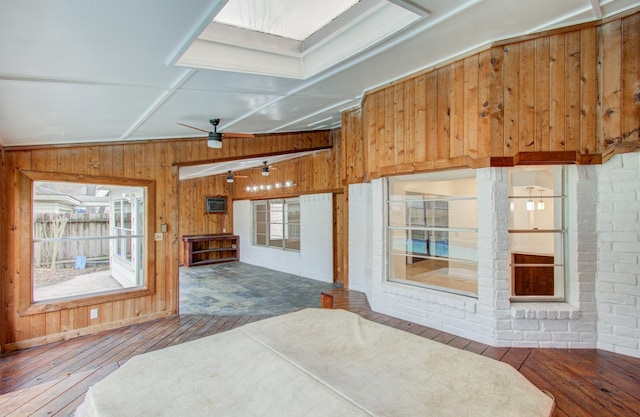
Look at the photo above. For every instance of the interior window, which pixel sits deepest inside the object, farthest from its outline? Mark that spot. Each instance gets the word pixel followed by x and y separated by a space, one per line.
pixel 433 231
pixel 537 233
pixel 276 223
pixel 87 239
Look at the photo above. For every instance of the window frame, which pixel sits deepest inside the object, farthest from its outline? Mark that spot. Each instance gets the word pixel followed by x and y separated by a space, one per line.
pixel 561 284
pixel 433 201
pixel 26 305
pixel 282 228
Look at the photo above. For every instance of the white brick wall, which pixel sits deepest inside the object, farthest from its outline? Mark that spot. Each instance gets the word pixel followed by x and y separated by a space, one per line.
pixel 491 318
pixel 316 247
pixel 360 231
pixel 618 231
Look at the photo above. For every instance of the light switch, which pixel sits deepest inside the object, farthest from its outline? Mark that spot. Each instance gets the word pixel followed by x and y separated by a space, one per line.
pixel 163 228
pixel 157 237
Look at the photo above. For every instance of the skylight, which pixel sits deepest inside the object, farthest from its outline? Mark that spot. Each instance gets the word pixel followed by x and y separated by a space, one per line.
pixel 296 38
pixel 293 19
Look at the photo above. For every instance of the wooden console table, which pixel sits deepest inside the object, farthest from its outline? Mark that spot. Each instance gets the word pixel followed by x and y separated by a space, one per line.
pixel 210 249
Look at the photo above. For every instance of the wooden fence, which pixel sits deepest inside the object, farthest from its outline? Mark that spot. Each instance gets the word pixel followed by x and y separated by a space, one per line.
pixel 68 227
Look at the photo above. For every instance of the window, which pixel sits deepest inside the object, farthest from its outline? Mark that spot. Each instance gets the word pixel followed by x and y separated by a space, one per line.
pixel 276 223
pixel 433 231
pixel 88 238
pixel 537 233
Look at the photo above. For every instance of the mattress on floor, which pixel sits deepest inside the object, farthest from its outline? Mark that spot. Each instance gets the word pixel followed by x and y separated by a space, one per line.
pixel 314 363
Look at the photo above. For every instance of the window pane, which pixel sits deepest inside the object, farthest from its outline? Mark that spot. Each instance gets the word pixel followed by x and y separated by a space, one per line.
pixel 261 239
pixel 84 239
pixel 536 239
pixel 433 231
pixel 276 223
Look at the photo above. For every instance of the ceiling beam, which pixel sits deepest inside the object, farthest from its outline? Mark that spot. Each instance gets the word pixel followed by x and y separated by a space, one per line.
pixel 597 10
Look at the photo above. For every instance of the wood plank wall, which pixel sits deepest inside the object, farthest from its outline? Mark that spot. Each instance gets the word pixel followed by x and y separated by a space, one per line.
pixel 319 172
pixel 152 160
pixel 193 218
pixel 563 95
pixel 571 91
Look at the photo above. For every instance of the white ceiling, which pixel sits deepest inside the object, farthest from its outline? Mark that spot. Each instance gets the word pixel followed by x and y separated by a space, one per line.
pixel 79 71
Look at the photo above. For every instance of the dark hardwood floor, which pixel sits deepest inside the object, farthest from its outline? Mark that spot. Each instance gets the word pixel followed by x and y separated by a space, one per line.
pixel 51 380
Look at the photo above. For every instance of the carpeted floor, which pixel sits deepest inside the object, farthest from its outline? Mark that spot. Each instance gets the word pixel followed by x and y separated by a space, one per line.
pixel 237 288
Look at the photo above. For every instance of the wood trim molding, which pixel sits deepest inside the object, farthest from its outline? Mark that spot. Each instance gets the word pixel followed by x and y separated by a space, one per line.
pixel 25 304
pixel 43 340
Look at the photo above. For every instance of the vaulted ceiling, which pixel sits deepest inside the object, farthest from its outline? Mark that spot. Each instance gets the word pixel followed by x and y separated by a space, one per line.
pixel 79 71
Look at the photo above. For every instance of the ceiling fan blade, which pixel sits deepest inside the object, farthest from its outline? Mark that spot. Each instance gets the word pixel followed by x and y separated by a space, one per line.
pixel 240 176
pixel 193 127
pixel 239 135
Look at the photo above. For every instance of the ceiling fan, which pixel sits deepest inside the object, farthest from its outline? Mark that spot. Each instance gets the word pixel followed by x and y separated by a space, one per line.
pixel 266 169
pixel 231 176
pixel 214 138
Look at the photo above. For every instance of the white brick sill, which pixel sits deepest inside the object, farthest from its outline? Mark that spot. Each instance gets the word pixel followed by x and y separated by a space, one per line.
pixel 443 298
pixel 548 311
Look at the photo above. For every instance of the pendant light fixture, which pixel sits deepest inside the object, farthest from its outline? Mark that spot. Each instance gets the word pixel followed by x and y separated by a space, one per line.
pixel 530 203
pixel 229 177
pixel 540 205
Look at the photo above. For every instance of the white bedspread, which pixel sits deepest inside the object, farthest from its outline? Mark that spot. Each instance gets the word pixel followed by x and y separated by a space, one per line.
pixel 314 363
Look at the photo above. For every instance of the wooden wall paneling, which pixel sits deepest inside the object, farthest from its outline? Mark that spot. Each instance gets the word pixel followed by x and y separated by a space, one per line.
pixel 81 318
pixel 588 92
pixel 52 322
pixel 456 110
pixel 444 109
pixel 471 105
pixel 4 238
pixel 93 160
pixel 409 121
pixel 118 310
pixel 388 158
pixel 511 80
pixel 630 86
pixel 22 242
pixel 67 320
pixel 610 84
pixel 118 158
pixel 105 313
pixel 379 116
pixel 431 116
pixel 371 133
pixel 398 123
pixel 80 155
pixel 106 160
pixel 353 148
pixel 573 80
pixel 171 182
pixel 162 247
pixel 527 97
pixel 484 104
pixel 497 137
pixel 129 162
pixel 556 93
pixel 39 159
pixel 335 157
pixel 418 139
pixel 541 134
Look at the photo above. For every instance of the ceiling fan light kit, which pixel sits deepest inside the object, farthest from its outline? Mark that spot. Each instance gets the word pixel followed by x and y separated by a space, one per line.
pixel 265 169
